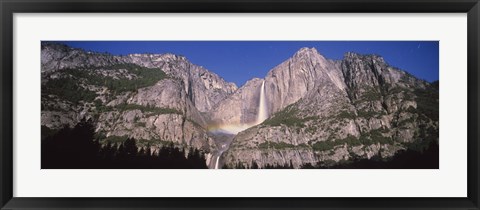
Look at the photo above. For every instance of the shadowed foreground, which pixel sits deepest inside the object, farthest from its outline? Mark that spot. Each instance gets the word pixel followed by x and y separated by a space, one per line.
pixel 77 148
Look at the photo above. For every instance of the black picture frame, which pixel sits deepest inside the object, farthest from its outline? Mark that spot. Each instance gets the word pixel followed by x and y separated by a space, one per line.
pixel 9 7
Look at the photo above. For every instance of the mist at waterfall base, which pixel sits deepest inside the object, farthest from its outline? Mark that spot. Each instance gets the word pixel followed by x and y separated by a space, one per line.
pixel 262 115
pixel 233 129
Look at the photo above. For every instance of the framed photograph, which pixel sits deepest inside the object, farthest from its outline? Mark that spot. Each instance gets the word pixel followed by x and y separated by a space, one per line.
pixel 239 105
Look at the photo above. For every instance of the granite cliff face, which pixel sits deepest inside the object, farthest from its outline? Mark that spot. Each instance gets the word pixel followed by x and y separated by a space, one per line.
pixel 240 107
pixel 285 84
pixel 319 111
pixel 153 98
pixel 325 112
pixel 204 88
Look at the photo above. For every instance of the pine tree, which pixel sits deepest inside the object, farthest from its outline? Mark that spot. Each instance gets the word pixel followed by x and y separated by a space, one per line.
pixel 130 146
pixel 254 165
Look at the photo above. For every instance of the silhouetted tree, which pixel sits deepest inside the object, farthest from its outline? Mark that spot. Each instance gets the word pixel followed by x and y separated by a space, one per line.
pixel 130 148
pixel 254 165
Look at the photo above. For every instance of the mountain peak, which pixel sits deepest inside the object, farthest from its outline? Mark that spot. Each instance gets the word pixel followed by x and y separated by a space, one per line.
pixel 306 51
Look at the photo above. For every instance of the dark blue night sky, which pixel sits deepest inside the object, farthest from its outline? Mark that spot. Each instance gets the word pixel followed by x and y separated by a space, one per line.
pixel 239 61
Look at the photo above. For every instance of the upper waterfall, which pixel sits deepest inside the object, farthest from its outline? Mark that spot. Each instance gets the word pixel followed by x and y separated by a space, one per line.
pixel 262 114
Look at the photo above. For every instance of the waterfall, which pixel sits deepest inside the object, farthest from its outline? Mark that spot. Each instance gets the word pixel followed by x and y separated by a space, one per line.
pixel 216 164
pixel 262 106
